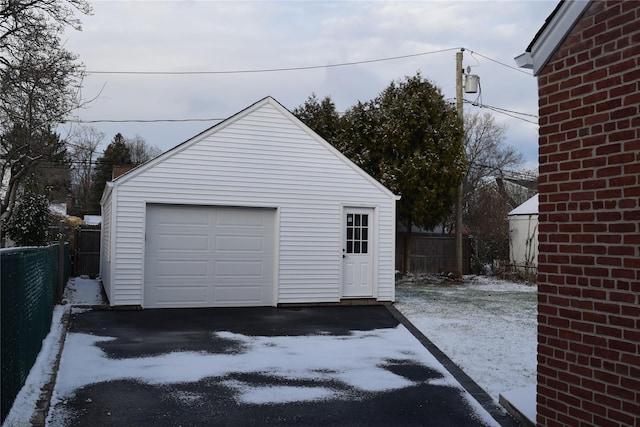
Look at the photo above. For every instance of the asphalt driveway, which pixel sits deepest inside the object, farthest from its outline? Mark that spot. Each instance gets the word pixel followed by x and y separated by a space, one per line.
pixel 311 366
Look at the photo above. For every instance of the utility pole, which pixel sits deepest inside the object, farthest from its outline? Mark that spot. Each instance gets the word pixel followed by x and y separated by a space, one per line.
pixel 459 255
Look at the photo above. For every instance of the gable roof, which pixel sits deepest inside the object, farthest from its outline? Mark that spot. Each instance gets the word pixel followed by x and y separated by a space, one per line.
pixel 233 119
pixel 529 207
pixel 555 29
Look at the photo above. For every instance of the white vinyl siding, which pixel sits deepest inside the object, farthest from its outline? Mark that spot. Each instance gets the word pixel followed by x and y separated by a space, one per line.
pixel 105 245
pixel 264 158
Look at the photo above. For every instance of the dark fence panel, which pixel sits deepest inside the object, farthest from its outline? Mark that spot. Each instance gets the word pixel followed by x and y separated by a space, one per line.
pixel 432 253
pixel 29 280
pixel 87 251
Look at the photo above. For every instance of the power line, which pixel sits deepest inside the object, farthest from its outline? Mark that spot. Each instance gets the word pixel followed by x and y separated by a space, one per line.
pixel 510 113
pixel 310 67
pixel 501 63
pixel 475 104
pixel 272 70
pixel 143 120
pixel 281 69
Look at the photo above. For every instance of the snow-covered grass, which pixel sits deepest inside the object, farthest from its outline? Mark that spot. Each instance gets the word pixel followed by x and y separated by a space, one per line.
pixel 487 326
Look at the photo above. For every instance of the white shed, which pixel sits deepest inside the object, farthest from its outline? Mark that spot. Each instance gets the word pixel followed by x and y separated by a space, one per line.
pixel 255 211
pixel 523 235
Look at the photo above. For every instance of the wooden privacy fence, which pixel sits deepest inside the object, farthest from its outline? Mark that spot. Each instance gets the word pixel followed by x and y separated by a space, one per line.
pixel 86 256
pixel 432 253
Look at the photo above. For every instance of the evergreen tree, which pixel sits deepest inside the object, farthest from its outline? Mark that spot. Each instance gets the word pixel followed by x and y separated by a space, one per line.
pixel 321 117
pixel 31 162
pixel 116 153
pixel 29 225
pixel 408 138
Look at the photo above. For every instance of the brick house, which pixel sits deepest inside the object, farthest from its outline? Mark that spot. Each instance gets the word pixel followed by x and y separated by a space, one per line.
pixel 587 62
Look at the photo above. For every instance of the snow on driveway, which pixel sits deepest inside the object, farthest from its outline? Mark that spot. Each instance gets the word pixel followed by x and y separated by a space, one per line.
pixel 364 356
pixel 486 326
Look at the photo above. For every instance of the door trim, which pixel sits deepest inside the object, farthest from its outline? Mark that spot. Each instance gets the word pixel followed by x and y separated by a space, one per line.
pixel 373 249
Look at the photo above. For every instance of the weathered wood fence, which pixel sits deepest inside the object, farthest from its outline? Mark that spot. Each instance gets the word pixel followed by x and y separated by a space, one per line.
pixel 86 254
pixel 432 253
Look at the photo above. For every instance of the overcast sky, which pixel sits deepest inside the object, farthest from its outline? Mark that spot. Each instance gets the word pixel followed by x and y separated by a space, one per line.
pixel 235 37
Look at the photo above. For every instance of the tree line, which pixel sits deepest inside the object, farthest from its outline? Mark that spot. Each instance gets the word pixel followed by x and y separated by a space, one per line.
pixel 408 137
pixel 40 83
pixel 412 140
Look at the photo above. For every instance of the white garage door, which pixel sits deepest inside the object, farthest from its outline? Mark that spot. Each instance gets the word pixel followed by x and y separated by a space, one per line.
pixel 208 256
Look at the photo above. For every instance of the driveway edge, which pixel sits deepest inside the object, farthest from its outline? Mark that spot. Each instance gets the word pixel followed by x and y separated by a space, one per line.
pixel 465 380
pixel 39 417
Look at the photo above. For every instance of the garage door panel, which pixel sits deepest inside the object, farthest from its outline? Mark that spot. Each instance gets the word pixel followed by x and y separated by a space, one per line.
pixel 169 295
pixel 224 260
pixel 177 242
pixel 234 295
pixel 239 269
pixel 178 217
pixel 230 218
pixel 182 268
pixel 242 244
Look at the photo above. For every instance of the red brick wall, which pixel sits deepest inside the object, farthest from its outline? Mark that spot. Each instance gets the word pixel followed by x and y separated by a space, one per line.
pixel 589 232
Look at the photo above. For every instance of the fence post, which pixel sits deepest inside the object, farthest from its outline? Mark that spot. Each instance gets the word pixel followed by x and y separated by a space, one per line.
pixel 61 263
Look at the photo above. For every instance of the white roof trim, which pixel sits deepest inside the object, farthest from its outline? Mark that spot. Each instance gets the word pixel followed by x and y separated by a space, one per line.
pixel 530 207
pixel 555 31
pixel 524 60
pixel 108 188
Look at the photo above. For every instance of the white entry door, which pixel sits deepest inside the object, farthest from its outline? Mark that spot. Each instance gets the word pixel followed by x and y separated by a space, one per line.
pixel 357 281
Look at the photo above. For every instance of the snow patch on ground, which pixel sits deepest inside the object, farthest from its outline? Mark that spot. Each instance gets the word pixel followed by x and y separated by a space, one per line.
pixel 78 291
pixel 83 291
pixel 487 326
pixel 520 398
pixel 248 393
pixel 25 403
pixel 361 366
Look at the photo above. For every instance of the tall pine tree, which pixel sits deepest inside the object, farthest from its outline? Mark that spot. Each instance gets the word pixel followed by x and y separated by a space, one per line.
pixel 408 138
pixel 117 153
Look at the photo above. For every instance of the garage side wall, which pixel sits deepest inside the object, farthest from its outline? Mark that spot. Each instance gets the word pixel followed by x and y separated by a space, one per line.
pixel 523 242
pixel 105 244
pixel 263 158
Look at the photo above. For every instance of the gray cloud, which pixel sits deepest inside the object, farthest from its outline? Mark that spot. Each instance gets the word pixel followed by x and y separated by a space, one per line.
pixel 216 36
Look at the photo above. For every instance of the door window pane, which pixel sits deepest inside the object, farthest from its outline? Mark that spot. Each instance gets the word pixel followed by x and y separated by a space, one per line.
pixel 357 233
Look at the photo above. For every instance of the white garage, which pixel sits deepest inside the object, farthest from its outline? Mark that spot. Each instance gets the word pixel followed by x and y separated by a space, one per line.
pixel 202 256
pixel 523 236
pixel 255 211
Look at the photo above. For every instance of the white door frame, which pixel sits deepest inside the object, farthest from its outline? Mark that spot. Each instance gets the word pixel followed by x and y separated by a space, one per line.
pixel 350 288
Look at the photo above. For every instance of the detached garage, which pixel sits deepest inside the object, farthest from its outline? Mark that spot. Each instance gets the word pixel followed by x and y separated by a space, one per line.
pixel 255 211
pixel 523 236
